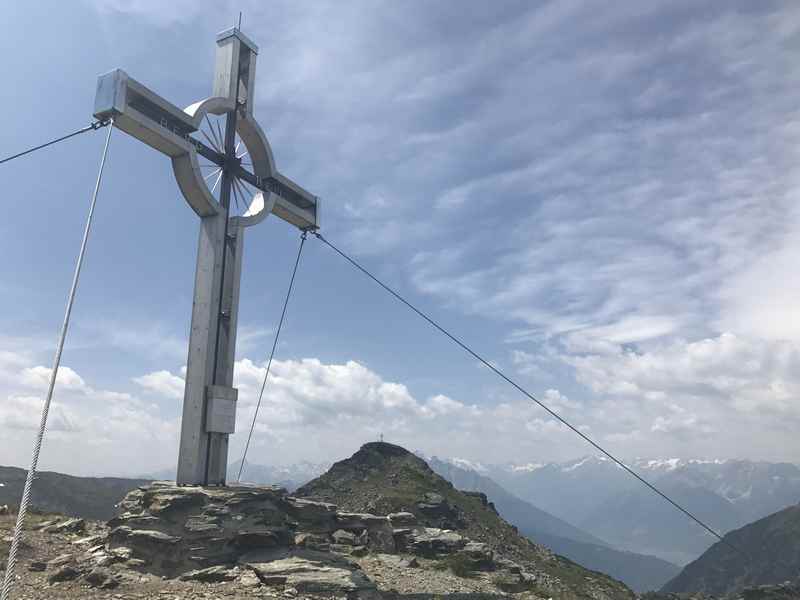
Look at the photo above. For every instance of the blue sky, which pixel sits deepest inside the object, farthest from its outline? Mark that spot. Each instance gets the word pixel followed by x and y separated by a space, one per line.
pixel 600 198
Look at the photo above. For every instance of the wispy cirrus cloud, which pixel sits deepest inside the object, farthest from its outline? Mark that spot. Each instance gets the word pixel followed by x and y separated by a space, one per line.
pixel 611 191
pixel 606 174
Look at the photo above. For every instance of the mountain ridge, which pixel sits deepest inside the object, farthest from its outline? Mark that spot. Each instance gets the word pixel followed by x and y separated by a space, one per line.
pixel 764 552
pixel 85 497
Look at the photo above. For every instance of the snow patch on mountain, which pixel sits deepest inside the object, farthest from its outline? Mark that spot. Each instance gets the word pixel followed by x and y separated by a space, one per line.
pixel 666 464
pixel 469 465
pixel 672 464
pixel 461 463
pixel 577 465
pixel 529 468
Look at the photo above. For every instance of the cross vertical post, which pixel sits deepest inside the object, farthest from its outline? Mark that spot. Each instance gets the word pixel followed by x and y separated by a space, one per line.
pixel 217 462
pixel 206 392
pixel 209 403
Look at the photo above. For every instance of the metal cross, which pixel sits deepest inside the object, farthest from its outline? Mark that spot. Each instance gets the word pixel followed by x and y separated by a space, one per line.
pixel 188 136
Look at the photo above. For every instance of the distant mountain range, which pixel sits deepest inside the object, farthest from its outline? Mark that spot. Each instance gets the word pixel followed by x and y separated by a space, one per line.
pixel 599 497
pixel 639 572
pixel 516 511
pixel 289 476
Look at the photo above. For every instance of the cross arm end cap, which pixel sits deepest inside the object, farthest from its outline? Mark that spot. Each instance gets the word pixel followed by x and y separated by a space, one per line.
pixel 234 32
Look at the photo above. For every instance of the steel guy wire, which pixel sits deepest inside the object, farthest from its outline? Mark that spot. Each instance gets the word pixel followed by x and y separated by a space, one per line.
pixel 272 353
pixel 8 582
pixel 93 127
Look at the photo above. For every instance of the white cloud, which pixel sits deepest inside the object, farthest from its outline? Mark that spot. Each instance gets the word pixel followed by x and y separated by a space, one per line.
pixel 162 382
pixel 559 402
pixel 440 405
pixel 89 430
pixel 24 412
pixel 39 378
pixel 340 406
pixel 726 395
pixel 721 396
pixel 310 393
pixel 675 394
pixel 738 373
pixel 685 425
pixel 761 300
pixel 10 360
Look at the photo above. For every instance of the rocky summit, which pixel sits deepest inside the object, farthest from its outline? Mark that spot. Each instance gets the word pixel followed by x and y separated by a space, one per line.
pixel 432 519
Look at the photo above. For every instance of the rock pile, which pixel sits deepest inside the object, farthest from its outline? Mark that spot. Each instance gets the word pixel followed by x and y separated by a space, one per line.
pixel 86 559
pixel 261 536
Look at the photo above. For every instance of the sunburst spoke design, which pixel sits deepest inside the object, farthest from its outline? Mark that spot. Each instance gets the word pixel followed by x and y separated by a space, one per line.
pixel 249 187
pixel 237 196
pixel 218 145
pixel 242 192
pixel 246 194
pixel 221 137
pixel 207 177
pixel 216 183
pixel 211 142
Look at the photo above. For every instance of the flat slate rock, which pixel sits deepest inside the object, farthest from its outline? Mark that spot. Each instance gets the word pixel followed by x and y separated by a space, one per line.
pixel 432 541
pixel 216 574
pixel 310 576
pixel 64 573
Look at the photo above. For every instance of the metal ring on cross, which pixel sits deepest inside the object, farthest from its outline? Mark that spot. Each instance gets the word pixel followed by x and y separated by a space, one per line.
pixel 199 179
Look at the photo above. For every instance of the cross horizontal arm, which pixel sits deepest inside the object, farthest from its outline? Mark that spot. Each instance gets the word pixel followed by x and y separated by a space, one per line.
pixel 145 115
pixel 142 113
pixel 294 204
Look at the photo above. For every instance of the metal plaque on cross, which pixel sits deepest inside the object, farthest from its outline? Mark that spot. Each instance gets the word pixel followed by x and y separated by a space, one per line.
pixel 226 172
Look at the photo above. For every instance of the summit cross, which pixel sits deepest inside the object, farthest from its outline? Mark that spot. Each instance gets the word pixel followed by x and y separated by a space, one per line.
pixel 240 188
